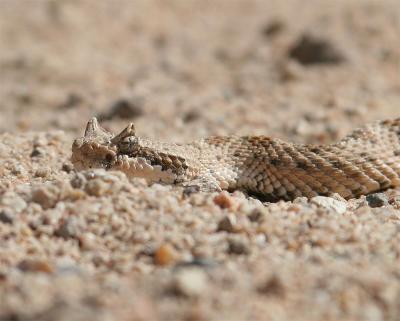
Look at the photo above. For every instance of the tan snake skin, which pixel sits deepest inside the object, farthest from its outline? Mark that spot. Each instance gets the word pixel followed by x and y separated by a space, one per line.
pixel 366 161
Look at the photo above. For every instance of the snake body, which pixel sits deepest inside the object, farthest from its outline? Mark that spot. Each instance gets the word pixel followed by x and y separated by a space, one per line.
pixel 365 161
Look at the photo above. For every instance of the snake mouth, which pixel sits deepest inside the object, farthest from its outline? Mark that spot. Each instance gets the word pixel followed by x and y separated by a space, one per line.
pixel 143 168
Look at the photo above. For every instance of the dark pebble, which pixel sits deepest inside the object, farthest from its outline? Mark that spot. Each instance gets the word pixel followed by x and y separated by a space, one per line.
pixel 238 247
pixel 72 100
pixel 273 28
pixel 255 215
pixel 272 287
pixel 197 262
pixel 310 50
pixel 123 109
pixel 226 224
pixel 67 229
pixel 191 116
pixel 67 167
pixel 377 200
pixel 189 190
pixel 6 216
pixel 36 152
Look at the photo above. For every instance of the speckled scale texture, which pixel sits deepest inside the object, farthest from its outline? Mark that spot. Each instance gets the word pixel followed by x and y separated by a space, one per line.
pixel 365 161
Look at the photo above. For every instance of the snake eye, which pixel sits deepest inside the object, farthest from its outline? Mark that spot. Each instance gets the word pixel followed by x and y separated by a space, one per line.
pixel 127 144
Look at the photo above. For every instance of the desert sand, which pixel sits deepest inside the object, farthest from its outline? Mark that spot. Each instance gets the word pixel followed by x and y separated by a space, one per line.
pixel 96 245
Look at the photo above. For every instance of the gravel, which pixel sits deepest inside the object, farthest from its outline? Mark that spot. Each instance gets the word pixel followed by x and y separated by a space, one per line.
pixel 96 245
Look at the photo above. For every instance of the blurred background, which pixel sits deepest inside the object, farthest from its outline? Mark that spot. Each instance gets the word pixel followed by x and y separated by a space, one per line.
pixel 307 71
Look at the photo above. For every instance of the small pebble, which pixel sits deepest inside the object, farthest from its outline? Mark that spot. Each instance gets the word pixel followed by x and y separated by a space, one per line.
pixel 237 246
pixel 87 241
pixel 42 172
pixel 311 49
pixel 338 207
pixel 67 167
pixel 198 262
pixel 78 180
pixel 123 109
pixel 13 201
pixel 165 255
pixel 255 215
pixel 67 229
pixel 191 116
pixel 36 152
pixel 72 100
pixel 227 224
pixel 6 216
pixel 97 187
pixel 272 287
pixel 300 200
pixel 273 28
pixel 189 190
pixel 18 169
pixel 224 200
pixel 46 195
pixel 377 200
pixel 32 265
pixel 190 282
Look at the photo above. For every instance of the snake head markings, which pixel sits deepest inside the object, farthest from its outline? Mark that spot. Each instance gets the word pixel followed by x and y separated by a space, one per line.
pixel 137 157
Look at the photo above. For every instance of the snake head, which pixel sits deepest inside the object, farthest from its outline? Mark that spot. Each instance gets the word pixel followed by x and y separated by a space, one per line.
pixel 99 148
pixel 137 157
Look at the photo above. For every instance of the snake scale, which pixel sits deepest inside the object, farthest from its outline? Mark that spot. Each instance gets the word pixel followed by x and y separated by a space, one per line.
pixel 365 161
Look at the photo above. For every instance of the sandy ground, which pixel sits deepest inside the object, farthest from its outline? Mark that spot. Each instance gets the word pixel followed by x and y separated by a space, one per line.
pixel 100 246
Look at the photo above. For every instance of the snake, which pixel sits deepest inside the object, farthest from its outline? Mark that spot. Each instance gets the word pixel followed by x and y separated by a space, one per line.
pixel 365 161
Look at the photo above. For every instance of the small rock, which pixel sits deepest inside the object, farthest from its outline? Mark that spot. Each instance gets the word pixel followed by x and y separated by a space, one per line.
pixel 227 224
pixel 337 197
pixel 238 246
pixel 300 200
pixel 273 28
pixel 191 116
pixel 200 262
pixel 255 215
pixel 42 172
pixel 338 207
pixel 18 169
pixel 72 100
pixel 272 287
pixel 290 70
pixel 97 187
pixel 165 255
pixel 12 200
pixel 6 216
pixel 68 270
pixel 224 200
pixel 32 265
pixel 377 200
pixel 36 152
pixel 190 282
pixel 67 229
pixel 189 190
pixel 67 167
pixel 87 241
pixel 123 109
pixel 46 195
pixel 78 180
pixel 310 49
